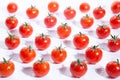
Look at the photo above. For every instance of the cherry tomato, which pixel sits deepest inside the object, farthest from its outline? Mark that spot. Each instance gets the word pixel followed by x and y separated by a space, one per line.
pixel 69 13
pixel 41 68
pixel 53 6
pixel 27 54
pixel 99 12
pixel 12 41
pixel 42 41
pixel 114 43
pixel 86 21
pixel 84 7
pixel 80 41
pixel 103 31
pixel 11 22
pixel 25 30
pixel 115 7
pixel 78 68
pixel 50 21
pixel 113 69
pixel 7 68
pixel 93 54
pixel 32 12
pixel 115 22
pixel 58 54
pixel 63 31
pixel 12 7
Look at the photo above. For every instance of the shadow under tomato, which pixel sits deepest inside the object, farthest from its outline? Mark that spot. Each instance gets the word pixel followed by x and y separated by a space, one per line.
pixel 80 56
pixel 68 43
pixel 28 71
pixel 2 45
pixel 15 57
pixel 104 46
pixel 46 57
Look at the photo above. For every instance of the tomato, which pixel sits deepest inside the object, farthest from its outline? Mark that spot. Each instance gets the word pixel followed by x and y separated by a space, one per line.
pixel 114 43
pixel 99 12
pixel 12 7
pixel 41 68
pixel 115 7
pixel 12 41
pixel 32 12
pixel 27 54
pixel 11 22
pixel 86 21
pixel 93 54
pixel 53 6
pixel 42 41
pixel 103 31
pixel 115 22
pixel 25 30
pixel 63 31
pixel 78 68
pixel 113 69
pixel 7 68
pixel 69 13
pixel 50 21
pixel 84 7
pixel 58 54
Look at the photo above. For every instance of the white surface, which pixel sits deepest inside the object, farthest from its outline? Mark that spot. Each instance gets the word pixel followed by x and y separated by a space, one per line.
pixel 57 71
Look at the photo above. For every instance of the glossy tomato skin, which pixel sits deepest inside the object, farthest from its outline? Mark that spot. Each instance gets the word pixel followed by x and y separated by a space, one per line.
pixel 27 54
pixel 69 13
pixel 63 31
pixel 93 55
pixel 80 41
pixel 84 7
pixel 42 42
pixel 11 22
pixel 12 41
pixel 41 68
pixel 114 43
pixel 32 12
pixel 53 6
pixel 78 69
pixel 99 12
pixel 6 68
pixel 113 69
pixel 25 30
pixel 50 21
pixel 103 31
pixel 12 7
pixel 115 22
pixel 115 7
pixel 86 21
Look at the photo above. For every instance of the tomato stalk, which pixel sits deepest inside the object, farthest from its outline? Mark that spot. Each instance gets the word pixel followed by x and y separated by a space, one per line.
pixel 11 36
pixel 60 48
pixel 65 25
pixel 26 24
pixel 78 62
pixel 87 16
pixel 69 7
pixel 94 47
pixel 32 6
pixel 41 61
pixel 49 15
pixel 30 48
pixel 80 33
pixel 118 15
pixel 118 62
pixel 114 37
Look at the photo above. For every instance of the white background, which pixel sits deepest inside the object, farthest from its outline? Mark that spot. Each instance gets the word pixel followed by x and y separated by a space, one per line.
pixel 57 71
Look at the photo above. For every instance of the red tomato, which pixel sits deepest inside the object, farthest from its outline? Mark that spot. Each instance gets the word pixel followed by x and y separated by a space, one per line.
pixel 7 68
pixel 12 7
pixel 11 22
pixel 99 12
pixel 69 13
pixel 115 7
pixel 86 21
pixel 27 54
pixel 84 7
pixel 78 68
pixel 115 22
pixel 103 31
pixel 41 68
pixel 50 21
pixel 113 69
pixel 58 55
pixel 42 42
pixel 32 12
pixel 53 6
pixel 80 41
pixel 114 43
pixel 25 30
pixel 63 31
pixel 93 54
pixel 12 41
